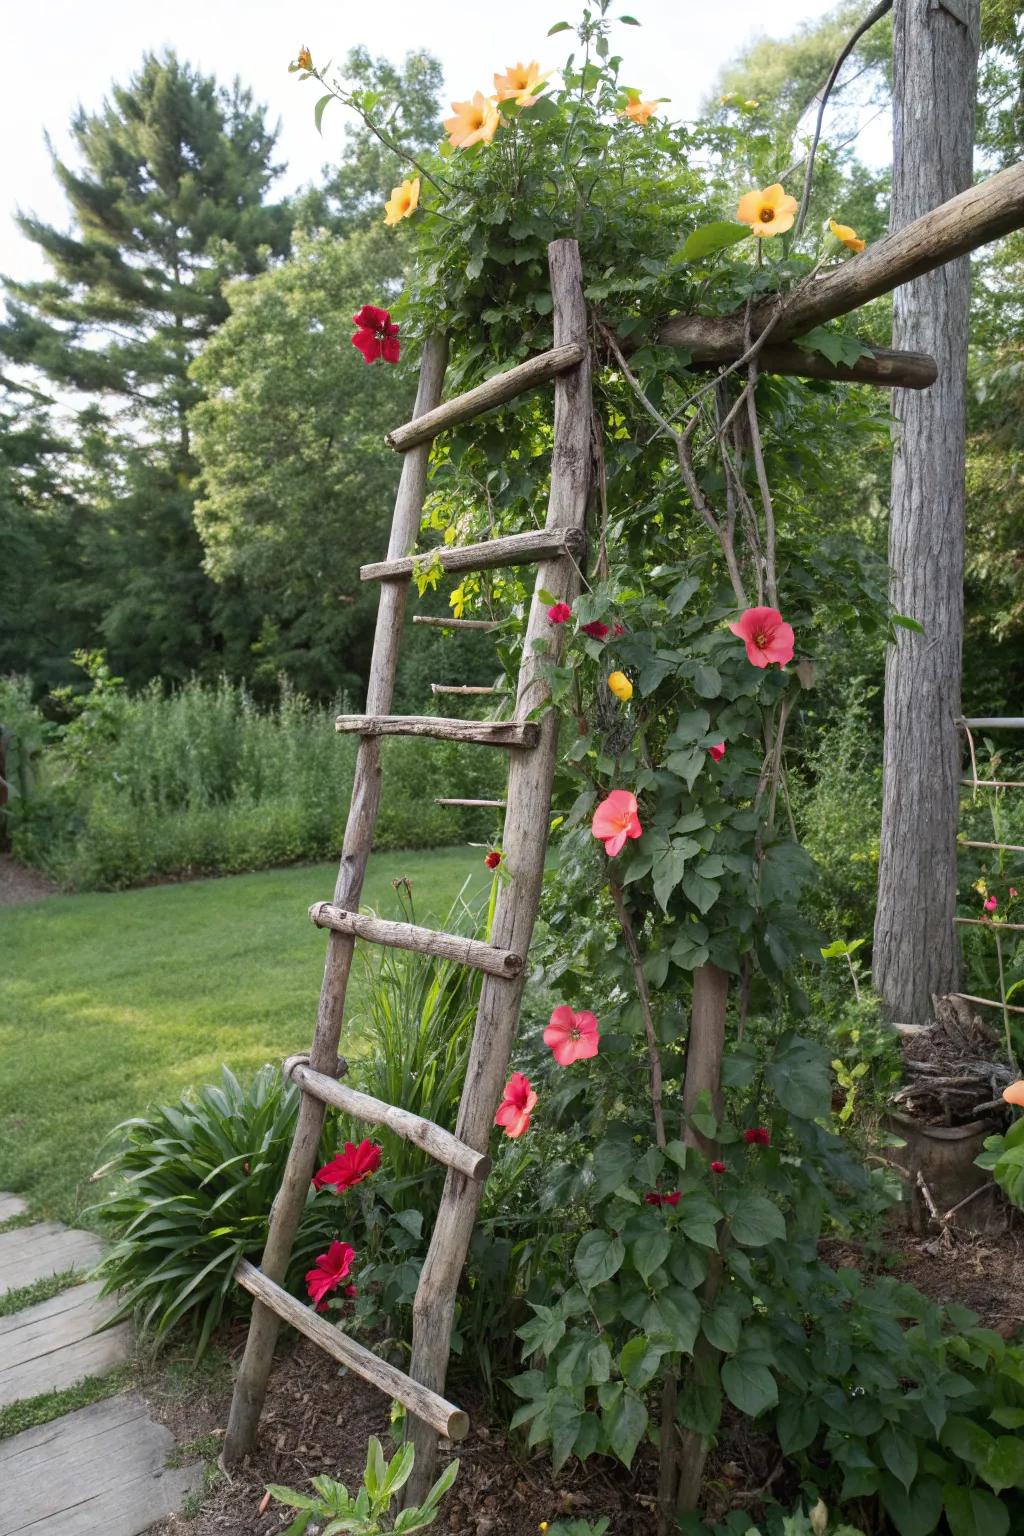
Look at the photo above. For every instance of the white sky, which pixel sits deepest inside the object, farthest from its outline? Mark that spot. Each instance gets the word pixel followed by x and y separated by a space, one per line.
pixel 59 53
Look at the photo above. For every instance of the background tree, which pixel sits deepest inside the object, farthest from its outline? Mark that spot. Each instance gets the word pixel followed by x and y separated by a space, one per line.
pixel 166 204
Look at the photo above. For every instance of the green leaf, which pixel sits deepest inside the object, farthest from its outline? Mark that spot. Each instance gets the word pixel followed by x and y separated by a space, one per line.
pixel 625 1426
pixel 319 109
pixel 916 1513
pixel 649 1253
pixel 800 1078
pixel 639 1361
pixel 629 21
pixel 1009 1418
pixel 669 867
pixel 749 1387
pixel 899 1452
pixel 966 1439
pixel 564 1416
pixel 703 893
pixel 974 1512
pixel 690 727
pixel 722 1328
pixel 707 682
pixel 1004 1465
pixel 560 26
pixel 676 1314
pixel 713 237
pixel 681 592
pixel 906 622
pixel 755 1221
pixel 598 1257
pixel 796 1425
pixel 835 345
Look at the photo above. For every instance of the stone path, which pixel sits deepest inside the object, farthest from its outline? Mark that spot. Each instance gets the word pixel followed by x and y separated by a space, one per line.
pixel 98 1471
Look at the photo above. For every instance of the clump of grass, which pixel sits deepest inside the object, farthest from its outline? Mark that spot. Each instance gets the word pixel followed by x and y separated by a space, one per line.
pixel 29 1412
pixel 40 1290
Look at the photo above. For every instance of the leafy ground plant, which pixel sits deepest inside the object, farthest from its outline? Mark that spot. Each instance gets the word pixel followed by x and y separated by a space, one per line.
pixel 367 1513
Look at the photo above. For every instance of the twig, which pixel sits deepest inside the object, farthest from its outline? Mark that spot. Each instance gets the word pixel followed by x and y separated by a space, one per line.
pixel 881 9
pixel 762 475
pixel 930 1203
pixel 653 1053
pixel 981 1190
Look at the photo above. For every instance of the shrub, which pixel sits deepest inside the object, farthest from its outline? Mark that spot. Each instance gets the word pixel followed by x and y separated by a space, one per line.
pixel 367 1512
pixel 197 1182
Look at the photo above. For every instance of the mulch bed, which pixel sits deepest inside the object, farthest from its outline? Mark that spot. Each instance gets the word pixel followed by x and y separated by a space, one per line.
pixel 18 883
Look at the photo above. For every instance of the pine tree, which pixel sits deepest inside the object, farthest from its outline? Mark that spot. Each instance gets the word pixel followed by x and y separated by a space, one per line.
pixel 166 204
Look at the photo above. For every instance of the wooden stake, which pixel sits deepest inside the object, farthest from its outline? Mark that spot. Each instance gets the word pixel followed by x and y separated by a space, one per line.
pixel 251 1384
pixel 524 842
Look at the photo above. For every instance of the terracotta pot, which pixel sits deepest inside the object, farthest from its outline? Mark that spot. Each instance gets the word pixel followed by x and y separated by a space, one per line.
pixel 944 1156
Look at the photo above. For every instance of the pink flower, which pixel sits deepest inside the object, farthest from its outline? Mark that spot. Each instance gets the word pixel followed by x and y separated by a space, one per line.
pixel 717 1167
pixel 654 1198
pixel 617 630
pixel 571 1036
pixel 331 1269
pixel 516 1107
pixel 595 630
pixel 350 1167
pixel 351 1291
pixel 616 819
pixel 376 337
pixel 492 859
pixel 990 903
pixel 717 751
pixel 767 636
pixel 559 613
pixel 1013 890
pixel 757 1137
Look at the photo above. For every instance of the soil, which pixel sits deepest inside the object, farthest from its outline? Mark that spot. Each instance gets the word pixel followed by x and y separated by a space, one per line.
pixel 982 1272
pixel 18 883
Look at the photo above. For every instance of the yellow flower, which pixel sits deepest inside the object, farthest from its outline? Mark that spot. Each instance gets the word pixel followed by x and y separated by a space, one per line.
pixel 768 212
pixel 751 103
pixel 847 235
pixel 543 1526
pixel 305 58
pixel 636 110
pixel 403 201
pixel 621 686
pixel 520 83
pixel 474 121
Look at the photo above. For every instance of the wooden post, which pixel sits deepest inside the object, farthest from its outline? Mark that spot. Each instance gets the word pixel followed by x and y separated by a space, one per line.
pixel 915 949
pixel 251 1385
pixel 524 842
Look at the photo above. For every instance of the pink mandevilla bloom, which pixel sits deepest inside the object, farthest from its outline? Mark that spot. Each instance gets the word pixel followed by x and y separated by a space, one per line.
pixel 757 1136
pixel 517 1105
pixel 571 1036
pixel 616 819
pixel 595 630
pixel 990 903
pixel 717 751
pixel 559 613
pixel 767 636
pixel 331 1269
pixel 350 1167
pixel 377 336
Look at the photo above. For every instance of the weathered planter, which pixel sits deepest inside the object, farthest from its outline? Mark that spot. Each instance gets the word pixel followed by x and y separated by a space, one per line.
pixel 944 1156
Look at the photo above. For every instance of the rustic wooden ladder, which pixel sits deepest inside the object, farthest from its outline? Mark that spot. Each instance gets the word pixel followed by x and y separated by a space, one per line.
pixel 531 739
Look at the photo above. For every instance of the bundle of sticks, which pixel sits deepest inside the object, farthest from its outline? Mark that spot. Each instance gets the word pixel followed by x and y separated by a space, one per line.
pixel 952 1067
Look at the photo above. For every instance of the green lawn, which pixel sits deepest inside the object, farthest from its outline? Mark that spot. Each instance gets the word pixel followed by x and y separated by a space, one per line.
pixel 108 1002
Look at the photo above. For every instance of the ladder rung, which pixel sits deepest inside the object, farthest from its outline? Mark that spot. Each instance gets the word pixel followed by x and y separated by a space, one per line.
pixel 441 1145
pixel 492 392
pixel 464 688
pixel 516 549
pixel 487 733
pixel 438 622
pixel 441 1415
pixel 426 941
pixel 497 805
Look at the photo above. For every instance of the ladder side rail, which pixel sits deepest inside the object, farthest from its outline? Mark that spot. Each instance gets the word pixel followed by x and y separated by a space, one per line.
pixel 524 844
pixel 286 1212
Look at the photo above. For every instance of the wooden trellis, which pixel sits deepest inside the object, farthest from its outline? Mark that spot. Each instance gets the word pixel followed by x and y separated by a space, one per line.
pixel 771 332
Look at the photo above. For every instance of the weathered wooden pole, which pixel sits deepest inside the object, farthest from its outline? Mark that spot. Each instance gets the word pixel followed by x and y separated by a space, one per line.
pixel 935 52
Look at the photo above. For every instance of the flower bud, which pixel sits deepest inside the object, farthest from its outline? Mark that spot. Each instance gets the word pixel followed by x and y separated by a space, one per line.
pixel 819 1518
pixel 621 686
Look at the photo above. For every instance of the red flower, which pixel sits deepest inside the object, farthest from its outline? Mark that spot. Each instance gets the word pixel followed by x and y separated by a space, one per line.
pixel 616 819
pixel 596 630
pixel 618 629
pixel 376 337
pixel 1013 890
pixel 559 613
pixel 717 1167
pixel 492 859
pixel 654 1198
pixel 571 1036
pixel 767 636
pixel 990 903
pixel 349 1167
pixel 351 1291
pixel 516 1107
pixel 717 751
pixel 331 1269
pixel 757 1137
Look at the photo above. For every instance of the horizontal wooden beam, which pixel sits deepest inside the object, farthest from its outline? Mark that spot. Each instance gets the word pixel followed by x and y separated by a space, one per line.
pixel 964 842
pixel 996 722
pixel 486 733
pixel 497 805
pixel 489 554
pixel 437 622
pixel 441 1415
pixel 883 367
pixel 465 689
pixel 439 1144
pixel 484 397
pixel 425 941
pixel 974 218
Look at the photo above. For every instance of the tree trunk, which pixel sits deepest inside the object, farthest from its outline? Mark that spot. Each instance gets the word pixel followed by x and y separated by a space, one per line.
pixel 935 57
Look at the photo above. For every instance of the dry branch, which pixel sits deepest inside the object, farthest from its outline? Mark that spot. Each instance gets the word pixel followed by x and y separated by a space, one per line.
pixel 424 941
pixel 442 623
pixel 489 554
pixel 487 733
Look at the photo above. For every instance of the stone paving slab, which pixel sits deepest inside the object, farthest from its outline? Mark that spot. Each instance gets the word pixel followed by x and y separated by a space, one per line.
pixel 11 1205
pixel 33 1253
pixel 97 1472
pixel 55 1344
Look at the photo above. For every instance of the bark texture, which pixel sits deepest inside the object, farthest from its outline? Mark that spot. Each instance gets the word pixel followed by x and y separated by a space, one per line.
pixel 916 954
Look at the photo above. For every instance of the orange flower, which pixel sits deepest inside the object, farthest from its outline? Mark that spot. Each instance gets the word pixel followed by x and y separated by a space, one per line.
pixel 520 83
pixel 305 58
pixel 636 110
pixel 768 212
pixel 1015 1094
pixel 474 121
pixel 403 201
pixel 847 235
